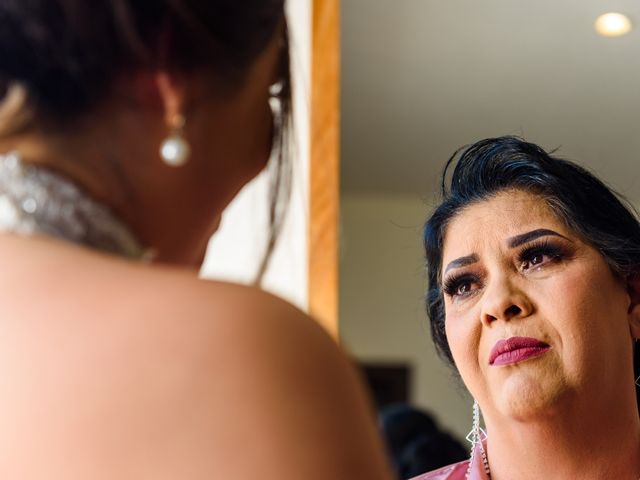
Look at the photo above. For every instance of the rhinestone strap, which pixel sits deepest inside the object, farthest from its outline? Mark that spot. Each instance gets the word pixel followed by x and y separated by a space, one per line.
pixel 35 200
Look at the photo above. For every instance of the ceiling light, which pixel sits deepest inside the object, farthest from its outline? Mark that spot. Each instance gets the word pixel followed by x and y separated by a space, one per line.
pixel 613 24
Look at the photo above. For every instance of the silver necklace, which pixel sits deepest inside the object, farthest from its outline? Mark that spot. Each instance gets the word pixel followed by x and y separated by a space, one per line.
pixel 35 200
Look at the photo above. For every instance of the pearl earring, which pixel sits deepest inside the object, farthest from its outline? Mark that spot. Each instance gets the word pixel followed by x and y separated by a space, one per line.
pixel 175 150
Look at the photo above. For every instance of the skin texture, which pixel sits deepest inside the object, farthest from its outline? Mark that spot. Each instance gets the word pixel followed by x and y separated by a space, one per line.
pixel 547 415
pixel 122 370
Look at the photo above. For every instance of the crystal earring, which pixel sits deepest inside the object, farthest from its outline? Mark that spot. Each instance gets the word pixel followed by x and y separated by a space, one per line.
pixel 476 438
pixel 175 150
pixel 275 104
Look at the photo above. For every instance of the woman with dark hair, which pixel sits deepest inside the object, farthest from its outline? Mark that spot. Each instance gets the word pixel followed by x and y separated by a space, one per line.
pixel 534 297
pixel 126 127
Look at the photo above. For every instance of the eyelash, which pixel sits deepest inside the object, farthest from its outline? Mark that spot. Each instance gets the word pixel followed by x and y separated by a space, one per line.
pixel 546 248
pixel 526 255
pixel 454 282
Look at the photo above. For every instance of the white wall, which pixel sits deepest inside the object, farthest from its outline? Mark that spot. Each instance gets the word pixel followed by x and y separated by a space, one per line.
pixel 236 250
pixel 382 284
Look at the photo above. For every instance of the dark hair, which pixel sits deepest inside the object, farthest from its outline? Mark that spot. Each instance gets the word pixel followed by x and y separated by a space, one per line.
pixel 415 442
pixel 584 203
pixel 67 54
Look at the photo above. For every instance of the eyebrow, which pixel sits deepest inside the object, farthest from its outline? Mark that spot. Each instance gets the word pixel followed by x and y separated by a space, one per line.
pixel 512 242
pixel 523 238
pixel 462 262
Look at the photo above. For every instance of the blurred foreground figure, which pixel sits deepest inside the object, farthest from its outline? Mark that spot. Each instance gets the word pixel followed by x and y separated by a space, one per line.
pixel 415 441
pixel 126 127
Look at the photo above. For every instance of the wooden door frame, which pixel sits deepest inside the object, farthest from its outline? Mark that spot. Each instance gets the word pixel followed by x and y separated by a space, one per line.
pixel 325 164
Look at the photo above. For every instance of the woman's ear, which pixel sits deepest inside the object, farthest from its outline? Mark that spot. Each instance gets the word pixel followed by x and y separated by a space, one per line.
pixel 633 290
pixel 172 93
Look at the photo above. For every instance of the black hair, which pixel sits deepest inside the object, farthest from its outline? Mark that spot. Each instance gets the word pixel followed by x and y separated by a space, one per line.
pixel 585 204
pixel 68 52
pixel 415 442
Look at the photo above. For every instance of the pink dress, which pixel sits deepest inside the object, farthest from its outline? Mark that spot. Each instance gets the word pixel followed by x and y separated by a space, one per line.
pixel 457 471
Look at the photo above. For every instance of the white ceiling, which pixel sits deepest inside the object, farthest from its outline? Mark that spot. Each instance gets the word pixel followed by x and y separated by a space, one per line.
pixel 421 78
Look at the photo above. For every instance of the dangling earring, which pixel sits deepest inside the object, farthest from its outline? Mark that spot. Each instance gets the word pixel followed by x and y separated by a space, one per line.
pixel 275 104
pixel 476 437
pixel 175 150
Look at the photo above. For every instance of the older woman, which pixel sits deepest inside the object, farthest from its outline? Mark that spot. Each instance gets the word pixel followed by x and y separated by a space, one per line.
pixel 126 127
pixel 534 296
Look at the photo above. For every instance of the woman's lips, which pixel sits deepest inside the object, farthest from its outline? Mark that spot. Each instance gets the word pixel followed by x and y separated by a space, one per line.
pixel 516 349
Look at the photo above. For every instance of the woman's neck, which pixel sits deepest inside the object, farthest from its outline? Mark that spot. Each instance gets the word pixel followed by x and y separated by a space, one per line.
pixel 576 441
pixel 128 176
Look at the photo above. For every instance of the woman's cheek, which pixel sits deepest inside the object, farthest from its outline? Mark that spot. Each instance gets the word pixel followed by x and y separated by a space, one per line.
pixel 462 339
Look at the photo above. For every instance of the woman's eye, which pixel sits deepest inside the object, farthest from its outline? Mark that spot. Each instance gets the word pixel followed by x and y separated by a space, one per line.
pixel 537 257
pixel 461 286
pixel 534 261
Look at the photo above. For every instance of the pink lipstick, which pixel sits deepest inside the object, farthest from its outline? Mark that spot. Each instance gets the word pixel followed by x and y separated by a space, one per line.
pixel 515 350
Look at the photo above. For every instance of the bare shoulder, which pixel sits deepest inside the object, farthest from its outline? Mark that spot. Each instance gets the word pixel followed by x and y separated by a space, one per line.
pixel 91 295
pixel 110 285
pixel 128 371
pixel 146 311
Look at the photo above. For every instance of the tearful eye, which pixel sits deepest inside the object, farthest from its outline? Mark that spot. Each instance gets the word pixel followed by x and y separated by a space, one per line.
pixel 540 256
pixel 461 286
pixel 537 259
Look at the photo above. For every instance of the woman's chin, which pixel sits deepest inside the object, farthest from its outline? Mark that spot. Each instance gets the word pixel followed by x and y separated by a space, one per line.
pixel 524 397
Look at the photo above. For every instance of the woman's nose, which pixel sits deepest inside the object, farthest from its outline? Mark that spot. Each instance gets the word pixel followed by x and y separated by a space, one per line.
pixel 502 300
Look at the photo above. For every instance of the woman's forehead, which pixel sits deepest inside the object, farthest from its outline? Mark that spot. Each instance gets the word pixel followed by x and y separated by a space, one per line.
pixel 497 219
